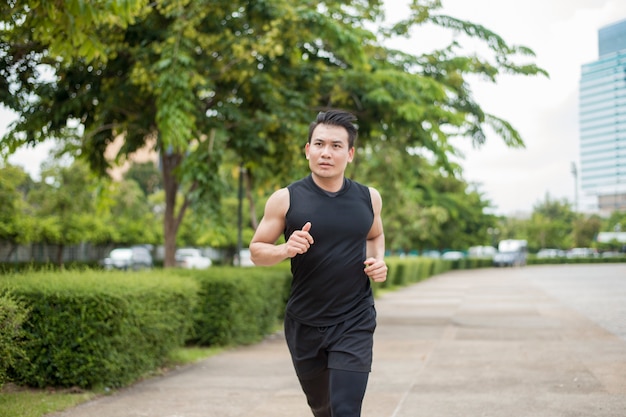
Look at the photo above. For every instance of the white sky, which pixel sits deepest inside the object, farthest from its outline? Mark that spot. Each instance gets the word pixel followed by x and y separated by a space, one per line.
pixel 564 35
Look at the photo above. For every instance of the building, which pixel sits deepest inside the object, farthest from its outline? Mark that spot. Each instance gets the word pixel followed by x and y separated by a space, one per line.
pixel 602 121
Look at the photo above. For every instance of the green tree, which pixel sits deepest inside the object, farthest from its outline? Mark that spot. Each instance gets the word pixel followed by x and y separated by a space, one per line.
pixel 585 229
pixel 551 225
pixel 16 226
pixel 131 216
pixel 616 222
pixel 196 79
pixel 63 203
pixel 147 177
pixel 511 228
pixel 426 208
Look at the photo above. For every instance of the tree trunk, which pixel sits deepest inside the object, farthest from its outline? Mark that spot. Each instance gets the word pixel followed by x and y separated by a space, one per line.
pixel 12 249
pixel 169 162
pixel 254 223
pixel 60 256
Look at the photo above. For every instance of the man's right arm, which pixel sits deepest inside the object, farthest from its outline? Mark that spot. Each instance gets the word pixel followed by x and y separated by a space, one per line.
pixel 263 247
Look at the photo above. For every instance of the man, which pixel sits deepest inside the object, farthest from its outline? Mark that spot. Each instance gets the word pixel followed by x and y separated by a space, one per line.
pixel 334 237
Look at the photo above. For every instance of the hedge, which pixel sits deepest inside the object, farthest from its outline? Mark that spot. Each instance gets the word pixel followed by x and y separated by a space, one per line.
pixel 107 329
pixel 239 305
pixel 91 329
pixel 12 316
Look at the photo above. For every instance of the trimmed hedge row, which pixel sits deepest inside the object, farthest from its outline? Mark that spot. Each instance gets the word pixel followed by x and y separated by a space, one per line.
pixel 406 271
pixel 107 329
pixel 90 329
pixel 239 306
pixel 532 260
pixel 12 317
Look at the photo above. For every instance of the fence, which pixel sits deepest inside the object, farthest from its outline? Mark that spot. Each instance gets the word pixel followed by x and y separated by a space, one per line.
pixel 40 252
pixel 84 252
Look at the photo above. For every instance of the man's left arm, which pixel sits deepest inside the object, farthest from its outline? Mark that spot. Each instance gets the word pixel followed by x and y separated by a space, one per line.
pixel 375 266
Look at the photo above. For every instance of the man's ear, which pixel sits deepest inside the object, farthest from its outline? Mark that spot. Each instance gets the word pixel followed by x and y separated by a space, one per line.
pixel 351 154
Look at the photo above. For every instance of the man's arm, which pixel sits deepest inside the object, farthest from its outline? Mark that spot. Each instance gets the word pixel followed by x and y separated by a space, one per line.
pixel 375 266
pixel 263 247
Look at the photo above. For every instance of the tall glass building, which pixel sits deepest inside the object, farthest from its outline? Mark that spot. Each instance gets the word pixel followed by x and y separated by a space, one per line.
pixel 602 121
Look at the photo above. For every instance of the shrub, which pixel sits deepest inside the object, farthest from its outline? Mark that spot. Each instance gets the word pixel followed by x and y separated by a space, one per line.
pixel 90 329
pixel 12 316
pixel 239 305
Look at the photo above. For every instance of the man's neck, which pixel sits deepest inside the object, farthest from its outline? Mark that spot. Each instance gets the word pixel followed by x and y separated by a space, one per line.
pixel 332 185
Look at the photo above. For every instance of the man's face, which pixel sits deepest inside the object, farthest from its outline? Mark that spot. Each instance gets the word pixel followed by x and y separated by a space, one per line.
pixel 328 152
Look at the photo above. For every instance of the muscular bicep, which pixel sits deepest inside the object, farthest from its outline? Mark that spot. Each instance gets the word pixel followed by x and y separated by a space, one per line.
pixel 377 205
pixel 272 224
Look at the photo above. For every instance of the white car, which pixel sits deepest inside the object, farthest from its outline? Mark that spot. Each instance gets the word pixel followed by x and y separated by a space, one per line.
pixel 191 258
pixel 550 253
pixel 582 253
pixel 133 258
pixel 453 255
pixel 244 258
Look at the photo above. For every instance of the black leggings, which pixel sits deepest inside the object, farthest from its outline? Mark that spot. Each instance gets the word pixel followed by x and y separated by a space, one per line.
pixel 336 393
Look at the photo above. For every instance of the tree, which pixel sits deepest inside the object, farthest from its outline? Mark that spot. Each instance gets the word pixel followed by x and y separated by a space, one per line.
pixel 551 224
pixel 615 223
pixel 197 79
pixel 585 230
pixel 15 227
pixel 147 177
pixel 131 217
pixel 64 205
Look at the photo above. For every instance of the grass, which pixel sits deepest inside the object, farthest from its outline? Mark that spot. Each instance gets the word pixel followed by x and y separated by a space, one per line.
pixel 25 402
pixel 28 402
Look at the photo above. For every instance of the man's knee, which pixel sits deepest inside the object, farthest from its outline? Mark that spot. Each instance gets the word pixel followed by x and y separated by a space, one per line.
pixel 317 394
pixel 347 390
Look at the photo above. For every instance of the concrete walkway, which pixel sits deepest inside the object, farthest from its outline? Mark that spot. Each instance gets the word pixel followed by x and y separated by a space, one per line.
pixel 463 344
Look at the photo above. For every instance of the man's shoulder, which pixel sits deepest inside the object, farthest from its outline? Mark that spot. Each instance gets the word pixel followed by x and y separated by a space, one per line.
pixel 361 186
pixel 279 199
pixel 302 183
pixel 304 180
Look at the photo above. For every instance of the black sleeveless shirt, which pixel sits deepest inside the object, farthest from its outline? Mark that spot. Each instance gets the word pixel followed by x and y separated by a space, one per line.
pixel 329 284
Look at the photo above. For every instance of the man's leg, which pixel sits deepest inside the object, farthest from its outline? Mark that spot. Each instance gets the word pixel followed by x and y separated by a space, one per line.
pixel 317 394
pixel 347 390
pixel 310 360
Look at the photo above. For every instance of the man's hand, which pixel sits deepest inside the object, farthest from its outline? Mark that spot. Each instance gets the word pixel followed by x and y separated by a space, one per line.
pixel 299 242
pixel 376 269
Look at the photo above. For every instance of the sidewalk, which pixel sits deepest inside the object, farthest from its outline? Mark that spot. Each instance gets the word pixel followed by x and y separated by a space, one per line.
pixel 464 344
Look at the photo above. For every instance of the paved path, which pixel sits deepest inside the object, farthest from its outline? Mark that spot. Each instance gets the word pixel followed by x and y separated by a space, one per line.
pixel 485 343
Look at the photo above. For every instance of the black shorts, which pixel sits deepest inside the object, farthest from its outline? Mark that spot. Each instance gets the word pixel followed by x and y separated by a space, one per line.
pixel 346 346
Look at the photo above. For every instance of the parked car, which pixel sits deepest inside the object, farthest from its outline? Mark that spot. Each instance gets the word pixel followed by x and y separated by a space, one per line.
pixel 511 252
pixel 481 252
pixel 582 253
pixel 133 258
pixel 550 253
pixel 431 254
pixel 611 254
pixel 244 258
pixel 191 258
pixel 453 255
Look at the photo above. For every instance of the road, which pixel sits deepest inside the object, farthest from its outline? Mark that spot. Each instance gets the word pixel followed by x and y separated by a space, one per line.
pixel 597 291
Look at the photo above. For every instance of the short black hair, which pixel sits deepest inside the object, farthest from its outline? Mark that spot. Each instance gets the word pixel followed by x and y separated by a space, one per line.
pixel 335 117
